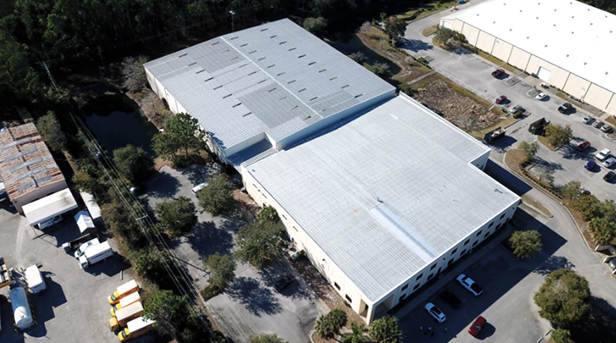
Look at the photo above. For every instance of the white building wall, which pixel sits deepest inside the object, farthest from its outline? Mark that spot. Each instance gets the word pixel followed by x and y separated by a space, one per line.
pixel 471 34
pixel 576 86
pixel 611 106
pixel 598 96
pixel 519 58
pixel 501 49
pixel 485 41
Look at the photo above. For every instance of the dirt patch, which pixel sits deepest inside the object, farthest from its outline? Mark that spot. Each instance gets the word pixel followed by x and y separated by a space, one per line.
pixel 589 239
pixel 455 107
pixel 325 292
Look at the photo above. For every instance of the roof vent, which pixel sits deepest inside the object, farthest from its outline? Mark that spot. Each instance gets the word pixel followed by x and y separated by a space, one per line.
pixel 322 70
pixel 192 64
pixel 262 81
pixel 590 23
pixel 493 22
pixel 265 29
pixel 527 37
pixel 301 90
pixel 567 55
pixel 333 78
pixel 315 98
pixel 226 96
pixel 200 71
pixel 247 114
pixel 572 32
pixel 270 66
pixel 572 16
pixel 537 17
pixel 261 59
pixel 243 45
pixel 357 96
pixel 215 43
pixel 236 105
pixel 311 63
pixel 254 72
pixel 281 73
pixel 271 90
pixel 182 55
pixel 606 73
pixel 232 38
pixel 218 87
pixel 281 43
pixel 345 86
pixel 292 49
pixel 510 29
pixel 300 56
pixel 585 63
pixel 252 52
pixel 290 82
pixel 546 46
pixel 294 107
pixel 554 25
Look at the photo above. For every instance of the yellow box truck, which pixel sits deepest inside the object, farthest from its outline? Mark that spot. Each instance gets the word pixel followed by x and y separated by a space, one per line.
pixel 136 328
pixel 122 291
pixel 127 300
pixel 125 315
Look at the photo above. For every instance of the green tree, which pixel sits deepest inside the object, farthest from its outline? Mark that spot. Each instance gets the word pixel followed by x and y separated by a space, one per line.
pixel 168 310
pixel 178 216
pixel 268 213
pixel 588 205
pixel 525 243
pixel 560 335
pixel 217 196
pixel 120 220
pixel 356 335
pixel 394 28
pixel 386 330
pixel 602 230
pixel 259 243
pixel 564 298
pixel 84 182
pixel 338 318
pixel 324 327
pixel 608 210
pixel 572 190
pixel 383 15
pixel 133 163
pixel 222 270
pixel 359 57
pixel 407 89
pixel 381 70
pixel 558 135
pixel 133 73
pixel 315 25
pixel 182 132
pixel 268 338
pixel 51 131
pixel 529 149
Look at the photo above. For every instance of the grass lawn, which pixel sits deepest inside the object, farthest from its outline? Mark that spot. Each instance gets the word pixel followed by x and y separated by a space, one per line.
pixel 545 142
pixel 430 30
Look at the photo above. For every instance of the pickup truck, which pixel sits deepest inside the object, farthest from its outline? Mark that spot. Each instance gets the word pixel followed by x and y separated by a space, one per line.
pixel 469 284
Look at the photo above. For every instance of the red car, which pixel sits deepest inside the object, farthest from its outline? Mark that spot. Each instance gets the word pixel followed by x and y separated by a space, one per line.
pixel 498 73
pixel 501 99
pixel 583 146
pixel 477 325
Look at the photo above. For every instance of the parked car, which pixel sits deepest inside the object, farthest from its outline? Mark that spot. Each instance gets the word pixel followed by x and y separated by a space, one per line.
pixel 603 154
pixel 477 326
pixel 597 124
pixel 541 96
pixel 283 282
pixel 587 119
pixel 590 165
pixel 515 109
pixel 612 264
pixel 498 73
pixel 501 99
pixel 609 176
pixel 435 312
pixel 50 222
pixel 564 108
pixel 451 299
pixel 609 162
pixel 137 189
pixel 606 128
pixel 583 146
pixel 469 284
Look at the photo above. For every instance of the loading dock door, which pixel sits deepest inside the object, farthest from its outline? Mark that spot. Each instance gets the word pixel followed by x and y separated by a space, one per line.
pixel 543 74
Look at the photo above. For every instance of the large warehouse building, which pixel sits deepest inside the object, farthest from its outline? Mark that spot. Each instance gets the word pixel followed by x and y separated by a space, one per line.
pixel 381 193
pixel 567 44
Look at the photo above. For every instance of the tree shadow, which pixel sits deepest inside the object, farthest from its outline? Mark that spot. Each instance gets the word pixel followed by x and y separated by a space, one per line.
pixel 416 45
pixel 258 300
pixel 553 263
pixel 206 239
pixel 276 270
pixel 461 51
pixel 503 144
pixel 162 185
pixel 545 165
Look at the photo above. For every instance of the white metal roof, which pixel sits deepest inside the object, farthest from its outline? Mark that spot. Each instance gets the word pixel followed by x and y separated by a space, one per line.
pixel 49 206
pixel 138 324
pixel 93 208
pixel 570 34
pixel 84 221
pixel 276 79
pixel 386 193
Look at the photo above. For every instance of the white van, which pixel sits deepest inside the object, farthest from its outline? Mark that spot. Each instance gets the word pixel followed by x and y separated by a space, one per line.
pixel 198 187
pixel 35 279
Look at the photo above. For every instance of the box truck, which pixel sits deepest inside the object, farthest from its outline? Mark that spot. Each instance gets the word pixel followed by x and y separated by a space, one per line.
pixel 21 308
pixel 538 126
pixel 35 280
pixel 95 254
pixel 136 328
pixel 125 315
pixel 82 248
pixel 127 300
pixel 74 244
pixel 122 291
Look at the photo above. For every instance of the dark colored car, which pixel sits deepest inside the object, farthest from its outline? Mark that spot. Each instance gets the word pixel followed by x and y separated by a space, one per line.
pixel 609 176
pixel 583 146
pixel 451 299
pixel 283 282
pixel 477 326
pixel 590 165
pixel 498 73
pixel 564 108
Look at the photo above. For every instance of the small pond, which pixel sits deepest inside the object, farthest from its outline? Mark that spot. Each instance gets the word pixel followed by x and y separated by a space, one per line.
pixel 116 121
pixel 350 44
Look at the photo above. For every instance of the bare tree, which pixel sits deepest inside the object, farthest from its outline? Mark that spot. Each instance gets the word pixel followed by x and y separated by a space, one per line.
pixel 133 74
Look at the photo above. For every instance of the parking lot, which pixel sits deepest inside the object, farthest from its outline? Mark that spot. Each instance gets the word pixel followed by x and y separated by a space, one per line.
pixel 74 307
pixel 250 306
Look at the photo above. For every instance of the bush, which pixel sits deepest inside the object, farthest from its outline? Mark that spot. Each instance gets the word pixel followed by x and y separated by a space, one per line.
pixel 588 205
pixel 386 330
pixel 268 213
pixel 329 324
pixel 602 230
pixel 525 243
pixel 133 163
pixel 564 298
pixel 217 196
pixel 259 243
pixel 178 216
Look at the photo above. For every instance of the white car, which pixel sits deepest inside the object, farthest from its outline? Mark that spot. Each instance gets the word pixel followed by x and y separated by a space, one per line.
pixel 469 284
pixel 199 187
pixel 603 154
pixel 435 312
pixel 541 96
pixel 587 120
pixel 609 162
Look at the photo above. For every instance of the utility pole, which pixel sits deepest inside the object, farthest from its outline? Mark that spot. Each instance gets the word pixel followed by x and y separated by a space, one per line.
pixel 53 82
pixel 232 14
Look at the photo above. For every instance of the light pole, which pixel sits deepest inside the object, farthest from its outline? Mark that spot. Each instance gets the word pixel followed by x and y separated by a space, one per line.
pixel 232 14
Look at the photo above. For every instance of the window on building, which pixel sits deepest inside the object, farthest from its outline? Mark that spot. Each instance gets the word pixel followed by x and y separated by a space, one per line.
pixel 295 228
pixel 462 252
pixel 454 251
pixel 475 243
pixel 450 262
pixel 433 266
pixel 430 276
pixel 416 286
pixel 405 287
pixel 285 218
pixel 468 240
pixel 419 276
pixel 402 297
pixel 478 233
pixel 487 234
pixel 348 298
pixel 502 216
pixel 498 226
pixel 337 286
pixel 492 223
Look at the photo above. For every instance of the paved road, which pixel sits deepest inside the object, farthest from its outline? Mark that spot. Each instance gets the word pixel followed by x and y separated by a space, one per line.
pixel 510 284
